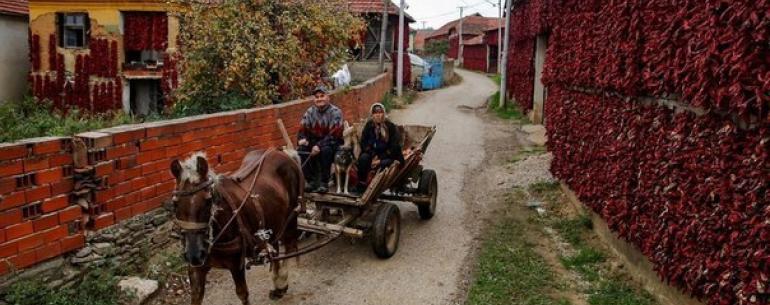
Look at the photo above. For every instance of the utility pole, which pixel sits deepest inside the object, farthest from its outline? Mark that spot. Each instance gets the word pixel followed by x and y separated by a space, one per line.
pixel 383 33
pixel 460 40
pixel 400 77
pixel 499 36
pixel 503 74
pixel 423 24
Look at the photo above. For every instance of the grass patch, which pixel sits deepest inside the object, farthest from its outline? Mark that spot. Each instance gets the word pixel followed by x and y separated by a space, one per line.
pixel 496 78
pixel 99 287
pixel 585 263
pixel 588 262
pixel 572 230
pixel 544 187
pixel 507 112
pixel 527 152
pixel 30 118
pixel 617 292
pixel 391 101
pixel 510 271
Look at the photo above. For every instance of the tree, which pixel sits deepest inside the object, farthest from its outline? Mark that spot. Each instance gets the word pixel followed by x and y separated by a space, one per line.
pixel 436 48
pixel 243 53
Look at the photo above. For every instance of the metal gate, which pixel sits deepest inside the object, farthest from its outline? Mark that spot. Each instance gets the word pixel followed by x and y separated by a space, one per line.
pixel 433 78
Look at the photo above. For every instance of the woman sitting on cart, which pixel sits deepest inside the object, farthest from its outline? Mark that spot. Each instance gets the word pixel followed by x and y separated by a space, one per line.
pixel 380 146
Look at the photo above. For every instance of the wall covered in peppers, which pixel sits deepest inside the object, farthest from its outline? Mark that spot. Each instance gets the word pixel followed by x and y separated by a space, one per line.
pixel 91 78
pixel 145 31
pixel 689 190
pixel 529 18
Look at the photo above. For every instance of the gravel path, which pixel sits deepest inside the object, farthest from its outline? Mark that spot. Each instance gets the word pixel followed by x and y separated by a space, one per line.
pixel 427 267
pixel 529 171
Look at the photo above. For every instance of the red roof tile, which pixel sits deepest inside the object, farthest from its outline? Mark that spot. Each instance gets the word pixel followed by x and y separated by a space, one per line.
pixel 472 25
pixel 375 6
pixel 14 7
pixel 475 40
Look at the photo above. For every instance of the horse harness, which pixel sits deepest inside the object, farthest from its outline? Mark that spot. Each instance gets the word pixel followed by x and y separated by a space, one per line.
pixel 248 244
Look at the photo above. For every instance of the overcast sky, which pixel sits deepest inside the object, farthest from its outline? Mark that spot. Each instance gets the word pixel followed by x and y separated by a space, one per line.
pixel 436 13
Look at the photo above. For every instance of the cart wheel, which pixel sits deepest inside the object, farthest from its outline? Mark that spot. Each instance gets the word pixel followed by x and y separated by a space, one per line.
pixel 428 186
pixel 387 230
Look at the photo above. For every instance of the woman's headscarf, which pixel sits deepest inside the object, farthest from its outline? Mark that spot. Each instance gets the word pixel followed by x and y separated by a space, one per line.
pixel 380 130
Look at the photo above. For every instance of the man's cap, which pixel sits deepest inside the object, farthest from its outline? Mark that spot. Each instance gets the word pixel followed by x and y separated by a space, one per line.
pixel 321 88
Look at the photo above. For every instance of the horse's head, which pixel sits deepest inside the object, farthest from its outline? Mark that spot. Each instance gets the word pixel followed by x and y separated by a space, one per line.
pixel 193 205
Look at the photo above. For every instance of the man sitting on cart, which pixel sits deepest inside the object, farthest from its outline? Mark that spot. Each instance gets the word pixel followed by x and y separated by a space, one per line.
pixel 319 137
pixel 380 145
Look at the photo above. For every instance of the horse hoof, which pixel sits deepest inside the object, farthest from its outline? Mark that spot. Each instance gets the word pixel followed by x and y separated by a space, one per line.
pixel 278 293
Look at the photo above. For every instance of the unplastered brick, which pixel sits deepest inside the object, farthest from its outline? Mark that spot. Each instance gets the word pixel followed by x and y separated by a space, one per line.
pixel 96 139
pixel 12 151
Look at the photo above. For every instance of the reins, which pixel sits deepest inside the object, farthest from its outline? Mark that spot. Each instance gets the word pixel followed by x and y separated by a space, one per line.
pixel 262 236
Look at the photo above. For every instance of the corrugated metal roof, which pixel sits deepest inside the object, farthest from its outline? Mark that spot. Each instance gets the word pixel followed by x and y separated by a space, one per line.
pixel 14 7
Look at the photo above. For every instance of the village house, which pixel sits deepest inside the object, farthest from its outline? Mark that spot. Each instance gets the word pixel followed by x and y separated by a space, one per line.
pixel 481 52
pixel 366 56
pixel 473 26
pixel 417 42
pixel 113 55
pixel 14 65
pixel 103 55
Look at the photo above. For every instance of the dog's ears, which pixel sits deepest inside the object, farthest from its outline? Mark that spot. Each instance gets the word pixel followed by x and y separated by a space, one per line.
pixel 347 125
pixel 176 169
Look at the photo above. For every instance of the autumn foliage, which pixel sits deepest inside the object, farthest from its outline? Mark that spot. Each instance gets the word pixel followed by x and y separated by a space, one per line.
pixel 260 51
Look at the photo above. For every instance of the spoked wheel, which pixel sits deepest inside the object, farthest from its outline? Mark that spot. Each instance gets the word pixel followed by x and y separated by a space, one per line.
pixel 387 230
pixel 428 186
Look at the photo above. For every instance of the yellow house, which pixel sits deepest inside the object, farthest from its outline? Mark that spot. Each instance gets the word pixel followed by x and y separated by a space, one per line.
pixel 103 55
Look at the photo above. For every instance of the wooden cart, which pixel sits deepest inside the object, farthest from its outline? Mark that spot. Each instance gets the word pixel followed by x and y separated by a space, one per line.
pixel 374 214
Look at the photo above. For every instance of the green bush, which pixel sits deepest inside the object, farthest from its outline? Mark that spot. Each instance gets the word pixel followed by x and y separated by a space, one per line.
pixel 197 106
pixel 31 118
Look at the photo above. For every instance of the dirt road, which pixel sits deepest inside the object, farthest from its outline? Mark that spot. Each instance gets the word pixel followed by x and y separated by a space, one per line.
pixel 427 267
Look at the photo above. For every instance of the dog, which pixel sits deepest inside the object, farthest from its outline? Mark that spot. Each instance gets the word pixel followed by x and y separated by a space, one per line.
pixel 343 162
pixel 346 156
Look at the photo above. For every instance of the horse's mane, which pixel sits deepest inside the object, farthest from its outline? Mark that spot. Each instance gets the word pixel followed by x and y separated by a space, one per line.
pixel 190 170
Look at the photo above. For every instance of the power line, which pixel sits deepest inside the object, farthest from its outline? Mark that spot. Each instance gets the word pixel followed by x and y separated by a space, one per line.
pixel 455 11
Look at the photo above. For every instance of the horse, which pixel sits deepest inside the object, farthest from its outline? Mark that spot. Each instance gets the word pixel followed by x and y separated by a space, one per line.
pixel 226 220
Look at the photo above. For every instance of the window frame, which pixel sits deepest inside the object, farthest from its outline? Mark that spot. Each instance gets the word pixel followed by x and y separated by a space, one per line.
pixel 85 27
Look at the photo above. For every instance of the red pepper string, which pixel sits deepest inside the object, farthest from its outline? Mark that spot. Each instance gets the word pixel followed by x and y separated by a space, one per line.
pixel 146 31
pixel 689 191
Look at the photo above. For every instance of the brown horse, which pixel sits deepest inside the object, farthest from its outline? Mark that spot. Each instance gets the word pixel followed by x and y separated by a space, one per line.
pixel 225 220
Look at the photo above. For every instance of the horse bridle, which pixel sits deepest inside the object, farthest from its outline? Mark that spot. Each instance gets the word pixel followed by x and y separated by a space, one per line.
pixel 262 236
pixel 189 225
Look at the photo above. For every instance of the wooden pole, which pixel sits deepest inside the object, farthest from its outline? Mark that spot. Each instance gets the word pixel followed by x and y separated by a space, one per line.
pixel 400 76
pixel 383 33
pixel 285 135
pixel 460 40
pixel 507 38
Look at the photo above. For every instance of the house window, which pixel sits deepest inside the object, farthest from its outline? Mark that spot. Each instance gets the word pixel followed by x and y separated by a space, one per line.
pixel 73 30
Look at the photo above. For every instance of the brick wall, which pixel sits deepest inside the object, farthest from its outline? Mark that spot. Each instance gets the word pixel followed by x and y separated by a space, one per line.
pixel 37 220
pixel 41 214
